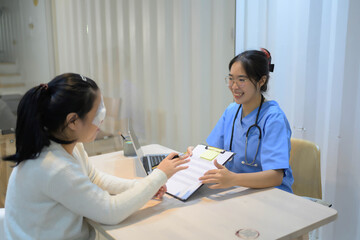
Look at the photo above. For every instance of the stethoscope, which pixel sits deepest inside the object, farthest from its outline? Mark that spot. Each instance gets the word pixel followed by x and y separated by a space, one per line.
pixel 247 134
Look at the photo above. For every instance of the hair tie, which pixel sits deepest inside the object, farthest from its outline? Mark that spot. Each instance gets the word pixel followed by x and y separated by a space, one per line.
pixel 271 67
pixel 267 53
pixel 268 56
pixel 44 86
pixel 83 78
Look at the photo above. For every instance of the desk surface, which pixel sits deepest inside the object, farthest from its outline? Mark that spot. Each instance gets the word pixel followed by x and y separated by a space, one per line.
pixel 213 214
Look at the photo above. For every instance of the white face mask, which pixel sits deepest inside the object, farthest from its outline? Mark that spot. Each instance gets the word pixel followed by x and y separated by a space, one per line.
pixel 100 114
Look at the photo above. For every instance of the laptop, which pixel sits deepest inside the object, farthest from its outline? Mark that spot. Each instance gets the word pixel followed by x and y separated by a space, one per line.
pixel 149 161
pixel 183 183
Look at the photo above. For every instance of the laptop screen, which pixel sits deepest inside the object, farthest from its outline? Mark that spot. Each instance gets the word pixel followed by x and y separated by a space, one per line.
pixel 135 141
pixel 139 167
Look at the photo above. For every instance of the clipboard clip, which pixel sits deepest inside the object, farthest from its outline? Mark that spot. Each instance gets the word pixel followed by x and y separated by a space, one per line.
pixel 215 149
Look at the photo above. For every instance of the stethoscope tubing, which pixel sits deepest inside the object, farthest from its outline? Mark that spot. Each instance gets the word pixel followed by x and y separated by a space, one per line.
pixel 247 134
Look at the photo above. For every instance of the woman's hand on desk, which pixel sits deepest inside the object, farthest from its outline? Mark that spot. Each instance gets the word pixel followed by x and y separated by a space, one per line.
pixel 171 166
pixel 161 192
pixel 220 177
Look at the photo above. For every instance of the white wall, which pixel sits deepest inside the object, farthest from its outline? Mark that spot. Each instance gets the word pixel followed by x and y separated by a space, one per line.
pixel 315 49
pixel 36 57
pixel 33 61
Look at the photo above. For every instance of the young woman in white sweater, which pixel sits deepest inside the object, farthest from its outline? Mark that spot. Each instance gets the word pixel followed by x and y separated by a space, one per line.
pixel 53 187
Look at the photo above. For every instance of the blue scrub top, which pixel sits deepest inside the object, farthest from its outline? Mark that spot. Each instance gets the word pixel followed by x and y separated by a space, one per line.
pixel 274 148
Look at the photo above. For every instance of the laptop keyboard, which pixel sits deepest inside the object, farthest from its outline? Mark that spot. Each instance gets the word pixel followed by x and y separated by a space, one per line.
pixel 154 161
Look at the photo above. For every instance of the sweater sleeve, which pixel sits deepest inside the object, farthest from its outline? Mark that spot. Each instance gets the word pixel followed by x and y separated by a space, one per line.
pixel 73 189
pixel 107 182
pixel 112 184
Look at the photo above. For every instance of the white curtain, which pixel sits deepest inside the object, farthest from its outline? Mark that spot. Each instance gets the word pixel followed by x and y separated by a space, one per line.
pixel 315 48
pixel 165 59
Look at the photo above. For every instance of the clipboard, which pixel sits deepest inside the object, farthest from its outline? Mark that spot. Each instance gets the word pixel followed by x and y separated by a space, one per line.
pixel 211 153
pixel 184 183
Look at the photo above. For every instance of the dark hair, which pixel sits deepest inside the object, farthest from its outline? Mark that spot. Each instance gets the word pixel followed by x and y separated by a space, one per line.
pixel 256 64
pixel 42 111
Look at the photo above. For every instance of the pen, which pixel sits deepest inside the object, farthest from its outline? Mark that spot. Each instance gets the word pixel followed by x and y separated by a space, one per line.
pixel 122 136
pixel 215 149
pixel 178 155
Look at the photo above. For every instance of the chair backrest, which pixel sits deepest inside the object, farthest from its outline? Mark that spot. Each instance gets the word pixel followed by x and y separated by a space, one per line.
pixel 305 164
pixel 2 216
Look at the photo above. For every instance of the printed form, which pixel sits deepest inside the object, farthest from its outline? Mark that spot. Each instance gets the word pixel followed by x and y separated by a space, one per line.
pixel 184 183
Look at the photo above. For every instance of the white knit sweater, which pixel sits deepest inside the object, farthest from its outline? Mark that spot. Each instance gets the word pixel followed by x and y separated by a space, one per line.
pixel 49 197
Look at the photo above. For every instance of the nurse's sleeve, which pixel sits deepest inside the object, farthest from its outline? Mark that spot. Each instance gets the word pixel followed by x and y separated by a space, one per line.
pixel 216 137
pixel 275 147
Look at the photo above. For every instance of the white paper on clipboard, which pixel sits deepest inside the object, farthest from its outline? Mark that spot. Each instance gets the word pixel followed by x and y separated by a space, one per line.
pixel 184 183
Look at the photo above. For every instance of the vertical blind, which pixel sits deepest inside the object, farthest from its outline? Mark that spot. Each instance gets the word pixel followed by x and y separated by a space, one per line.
pixel 314 46
pixel 165 59
pixel 8 30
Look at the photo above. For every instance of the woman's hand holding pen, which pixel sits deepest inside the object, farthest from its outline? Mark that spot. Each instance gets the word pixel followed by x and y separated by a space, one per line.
pixel 171 165
pixel 220 177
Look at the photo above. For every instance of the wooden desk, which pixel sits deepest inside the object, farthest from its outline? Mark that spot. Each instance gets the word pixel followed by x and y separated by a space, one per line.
pixel 213 214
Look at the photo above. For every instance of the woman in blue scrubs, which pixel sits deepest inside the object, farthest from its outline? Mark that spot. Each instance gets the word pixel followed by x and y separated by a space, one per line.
pixel 255 128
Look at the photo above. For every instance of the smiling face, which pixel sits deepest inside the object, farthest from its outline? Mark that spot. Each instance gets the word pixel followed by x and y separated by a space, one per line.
pixel 243 89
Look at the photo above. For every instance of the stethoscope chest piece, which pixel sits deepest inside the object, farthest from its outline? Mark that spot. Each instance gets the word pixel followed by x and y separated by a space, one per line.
pixel 249 164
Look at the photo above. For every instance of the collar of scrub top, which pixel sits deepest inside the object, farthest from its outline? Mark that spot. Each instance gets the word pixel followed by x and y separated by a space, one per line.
pixel 247 134
pixel 100 113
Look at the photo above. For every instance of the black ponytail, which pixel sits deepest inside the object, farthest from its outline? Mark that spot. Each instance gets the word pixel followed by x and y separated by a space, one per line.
pixel 29 126
pixel 43 110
